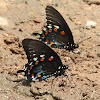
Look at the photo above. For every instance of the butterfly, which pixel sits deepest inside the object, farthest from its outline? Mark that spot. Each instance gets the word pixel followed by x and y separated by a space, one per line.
pixel 43 62
pixel 57 32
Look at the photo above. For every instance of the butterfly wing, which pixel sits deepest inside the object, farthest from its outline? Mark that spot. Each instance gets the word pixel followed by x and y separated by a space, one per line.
pixel 57 32
pixel 55 18
pixel 36 48
pixel 43 62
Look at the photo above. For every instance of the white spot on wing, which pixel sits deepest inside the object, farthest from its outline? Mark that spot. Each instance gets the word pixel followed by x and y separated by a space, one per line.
pixel 67 46
pixel 35 58
pixel 56 26
pixel 59 67
pixel 31 63
pixel 25 77
pixel 58 71
pixel 52 57
pixel 33 78
pixel 44 29
pixel 34 54
pixel 42 55
pixel 64 46
pixel 41 32
pixel 49 26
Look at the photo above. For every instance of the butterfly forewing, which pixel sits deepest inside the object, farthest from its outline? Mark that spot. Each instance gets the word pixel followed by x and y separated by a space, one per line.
pixel 37 48
pixel 55 18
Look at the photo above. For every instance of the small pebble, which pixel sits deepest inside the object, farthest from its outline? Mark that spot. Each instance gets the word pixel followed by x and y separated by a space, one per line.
pixel 83 54
pixel 42 91
pixel 34 90
pixel 98 54
pixel 24 90
pixel 90 24
pixel 98 34
pixel 48 97
pixel 97 2
pixel 76 51
pixel 11 78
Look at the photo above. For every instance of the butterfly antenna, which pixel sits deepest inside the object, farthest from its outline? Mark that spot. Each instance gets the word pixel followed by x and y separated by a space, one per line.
pixel 73 60
pixel 62 83
pixel 84 40
pixel 71 81
pixel 79 43
pixel 52 81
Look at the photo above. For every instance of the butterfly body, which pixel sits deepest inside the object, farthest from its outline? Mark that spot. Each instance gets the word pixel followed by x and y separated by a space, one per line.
pixel 57 32
pixel 43 62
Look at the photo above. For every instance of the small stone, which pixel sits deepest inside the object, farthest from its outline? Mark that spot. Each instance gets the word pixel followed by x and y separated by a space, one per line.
pixel 42 91
pixel 34 90
pixel 76 51
pixel 84 94
pixel 48 97
pixel 58 95
pixel 97 2
pixel 94 71
pixel 3 21
pixel 11 78
pixel 38 97
pixel 24 90
pixel 98 54
pixel 98 34
pixel 83 54
pixel 90 24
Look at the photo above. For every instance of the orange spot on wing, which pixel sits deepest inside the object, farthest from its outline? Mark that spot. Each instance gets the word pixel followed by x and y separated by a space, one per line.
pixel 46 33
pixel 62 33
pixel 51 42
pixel 50 30
pixel 31 67
pixel 28 71
pixel 39 75
pixel 55 29
pixel 47 40
pixel 36 63
pixel 43 36
pixel 32 75
pixel 42 59
pixel 51 58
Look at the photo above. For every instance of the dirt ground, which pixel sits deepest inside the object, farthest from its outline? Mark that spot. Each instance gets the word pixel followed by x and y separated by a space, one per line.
pixel 19 19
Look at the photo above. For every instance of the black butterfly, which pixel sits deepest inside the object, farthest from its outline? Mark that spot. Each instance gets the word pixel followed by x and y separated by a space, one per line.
pixel 57 33
pixel 43 62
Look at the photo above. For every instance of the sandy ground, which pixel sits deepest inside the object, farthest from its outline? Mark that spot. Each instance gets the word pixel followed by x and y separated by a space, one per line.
pixel 19 19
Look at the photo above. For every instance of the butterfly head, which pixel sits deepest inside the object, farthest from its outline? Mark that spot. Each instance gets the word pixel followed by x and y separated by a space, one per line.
pixel 71 46
pixel 75 45
pixel 24 70
pixel 61 69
